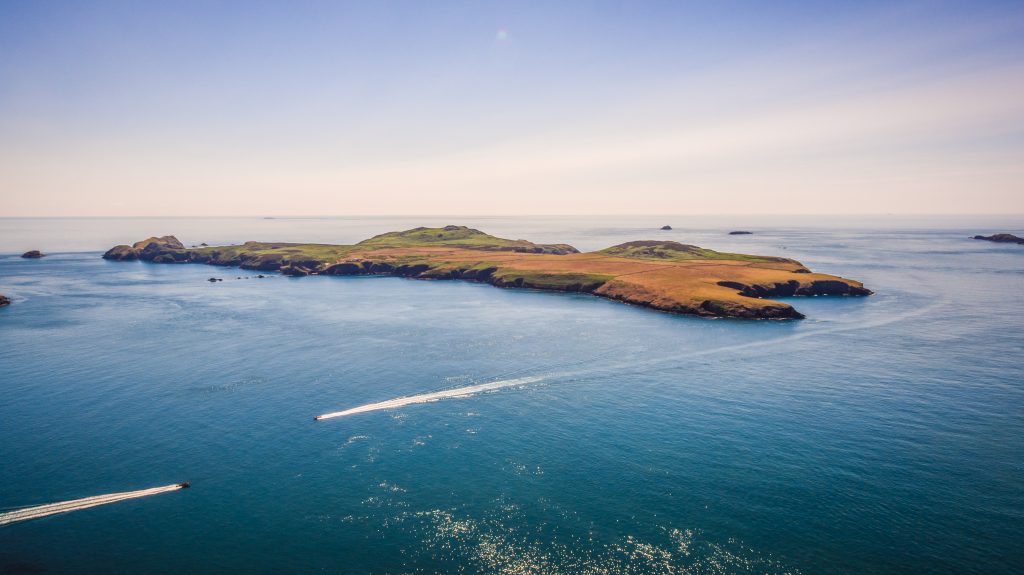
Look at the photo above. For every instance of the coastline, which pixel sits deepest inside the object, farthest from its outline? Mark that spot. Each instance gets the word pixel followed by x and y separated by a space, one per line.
pixel 662 275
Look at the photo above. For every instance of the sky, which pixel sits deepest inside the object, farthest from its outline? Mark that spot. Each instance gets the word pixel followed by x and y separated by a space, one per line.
pixel 306 108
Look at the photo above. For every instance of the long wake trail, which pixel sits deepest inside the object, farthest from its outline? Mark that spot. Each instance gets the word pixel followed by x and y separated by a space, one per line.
pixel 432 396
pixel 628 366
pixel 39 511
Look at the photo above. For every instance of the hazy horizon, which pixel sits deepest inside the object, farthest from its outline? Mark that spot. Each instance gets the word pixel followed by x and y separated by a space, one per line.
pixel 111 109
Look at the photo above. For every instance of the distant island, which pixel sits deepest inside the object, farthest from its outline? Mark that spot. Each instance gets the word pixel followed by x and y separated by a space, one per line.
pixel 663 275
pixel 4 300
pixel 1002 238
pixel 33 255
pixel 740 233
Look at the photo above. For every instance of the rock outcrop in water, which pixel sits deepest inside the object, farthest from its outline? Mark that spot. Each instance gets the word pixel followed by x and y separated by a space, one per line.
pixel 33 254
pixel 740 233
pixel 4 300
pixel 1002 238
pixel 165 249
pixel 663 275
pixel 666 227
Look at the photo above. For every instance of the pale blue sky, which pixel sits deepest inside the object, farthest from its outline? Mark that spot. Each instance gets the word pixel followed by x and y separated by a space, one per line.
pixel 302 108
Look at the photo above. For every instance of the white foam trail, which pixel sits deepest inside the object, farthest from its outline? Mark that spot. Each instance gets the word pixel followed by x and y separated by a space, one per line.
pixel 631 363
pixel 38 511
pixel 432 396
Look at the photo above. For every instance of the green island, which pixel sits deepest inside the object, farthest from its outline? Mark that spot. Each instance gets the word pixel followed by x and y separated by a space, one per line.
pixel 663 275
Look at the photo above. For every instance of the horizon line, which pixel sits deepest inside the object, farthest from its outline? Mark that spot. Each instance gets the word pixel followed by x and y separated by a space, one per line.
pixel 554 215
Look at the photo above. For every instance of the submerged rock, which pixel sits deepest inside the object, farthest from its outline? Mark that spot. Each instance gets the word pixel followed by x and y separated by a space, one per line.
pixel 1001 238
pixel 34 254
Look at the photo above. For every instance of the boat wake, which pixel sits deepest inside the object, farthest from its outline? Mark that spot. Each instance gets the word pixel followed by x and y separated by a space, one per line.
pixel 39 511
pixel 432 396
pixel 629 365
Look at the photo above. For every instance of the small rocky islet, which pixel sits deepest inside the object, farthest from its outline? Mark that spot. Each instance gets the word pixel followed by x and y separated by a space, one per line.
pixel 1002 239
pixel 664 275
pixel 33 255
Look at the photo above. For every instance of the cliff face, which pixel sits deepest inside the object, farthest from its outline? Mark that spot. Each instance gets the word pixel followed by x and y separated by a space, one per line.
pixel 667 276
pixel 793 288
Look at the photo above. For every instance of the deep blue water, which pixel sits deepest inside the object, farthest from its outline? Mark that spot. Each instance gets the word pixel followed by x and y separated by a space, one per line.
pixel 880 435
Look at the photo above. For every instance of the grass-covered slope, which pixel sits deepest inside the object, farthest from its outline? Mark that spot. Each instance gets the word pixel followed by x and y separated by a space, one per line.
pixel 675 251
pixel 664 275
pixel 460 237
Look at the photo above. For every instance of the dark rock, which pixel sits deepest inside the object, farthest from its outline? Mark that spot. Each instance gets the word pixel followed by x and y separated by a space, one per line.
pixel 412 270
pixel 345 269
pixel 294 270
pixel 795 288
pixel 4 300
pixel 34 254
pixel 666 227
pixel 740 233
pixel 166 249
pixel 203 245
pixel 121 253
pixel 1002 238
pixel 727 309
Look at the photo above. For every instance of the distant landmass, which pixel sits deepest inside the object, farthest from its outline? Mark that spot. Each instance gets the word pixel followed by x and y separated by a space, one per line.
pixel 1002 238
pixel 663 275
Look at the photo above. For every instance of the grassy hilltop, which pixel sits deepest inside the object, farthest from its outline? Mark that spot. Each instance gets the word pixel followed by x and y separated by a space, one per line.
pixel 664 275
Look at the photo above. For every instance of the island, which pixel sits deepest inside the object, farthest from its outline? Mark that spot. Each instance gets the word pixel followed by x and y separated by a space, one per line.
pixel 1002 238
pixel 740 233
pixel 663 275
pixel 4 300
pixel 33 255
pixel 666 227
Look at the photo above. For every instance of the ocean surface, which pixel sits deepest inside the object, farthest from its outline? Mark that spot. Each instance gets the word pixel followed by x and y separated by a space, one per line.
pixel 880 435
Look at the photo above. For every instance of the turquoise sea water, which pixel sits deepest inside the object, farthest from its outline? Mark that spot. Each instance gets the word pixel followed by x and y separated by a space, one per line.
pixel 880 435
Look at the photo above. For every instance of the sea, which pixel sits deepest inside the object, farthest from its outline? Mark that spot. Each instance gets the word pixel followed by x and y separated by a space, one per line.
pixel 881 435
